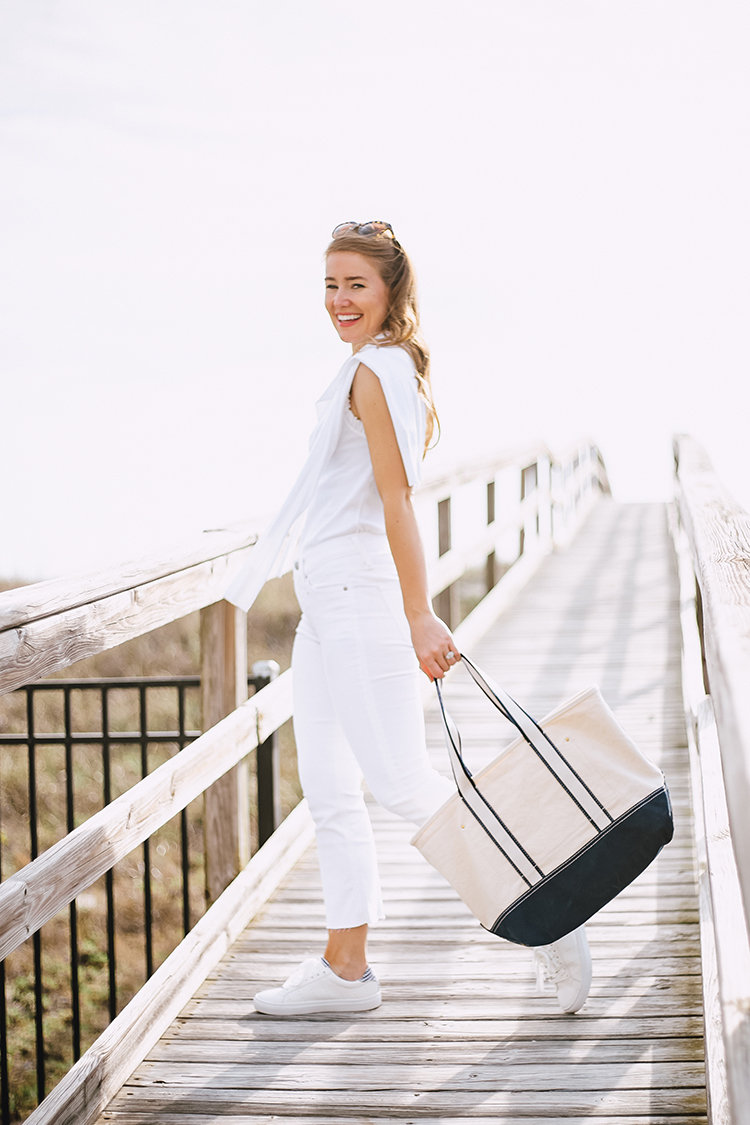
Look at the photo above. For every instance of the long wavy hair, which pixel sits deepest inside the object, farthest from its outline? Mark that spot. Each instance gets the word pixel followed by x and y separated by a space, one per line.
pixel 401 324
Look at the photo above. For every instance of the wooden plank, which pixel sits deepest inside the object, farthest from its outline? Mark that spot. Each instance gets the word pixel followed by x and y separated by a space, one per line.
pixel 293 913
pixel 719 533
pixel 451 912
pixel 25 604
pixel 512 990
pixel 553 1052
pixel 50 882
pixel 226 824
pixel 397 948
pixel 86 1089
pixel 693 691
pixel 730 930
pixel 445 897
pixel 489 1077
pixel 504 966
pixel 454 1005
pixel 155 1106
pixel 30 652
pixel 255 1028
pixel 126 1117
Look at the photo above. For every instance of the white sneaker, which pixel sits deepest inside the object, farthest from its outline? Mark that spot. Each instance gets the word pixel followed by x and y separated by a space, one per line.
pixel 567 965
pixel 314 987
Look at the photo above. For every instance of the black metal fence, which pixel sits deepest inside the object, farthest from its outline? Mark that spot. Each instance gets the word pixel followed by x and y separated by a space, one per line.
pixel 130 735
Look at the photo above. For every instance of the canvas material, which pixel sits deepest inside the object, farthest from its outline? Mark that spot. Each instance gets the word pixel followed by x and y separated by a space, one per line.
pixel 586 882
pixel 534 807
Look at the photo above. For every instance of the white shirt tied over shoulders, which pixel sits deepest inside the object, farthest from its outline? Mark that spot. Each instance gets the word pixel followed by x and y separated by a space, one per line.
pixel 395 368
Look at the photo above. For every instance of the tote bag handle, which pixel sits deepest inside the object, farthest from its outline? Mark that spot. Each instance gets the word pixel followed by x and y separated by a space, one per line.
pixel 542 746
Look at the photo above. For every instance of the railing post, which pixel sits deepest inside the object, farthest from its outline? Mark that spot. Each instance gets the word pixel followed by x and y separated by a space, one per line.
pixel 267 763
pixel 223 688
pixel 447 603
pixel 544 500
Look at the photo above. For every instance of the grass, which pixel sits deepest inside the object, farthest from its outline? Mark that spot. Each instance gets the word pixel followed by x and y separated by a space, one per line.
pixel 172 650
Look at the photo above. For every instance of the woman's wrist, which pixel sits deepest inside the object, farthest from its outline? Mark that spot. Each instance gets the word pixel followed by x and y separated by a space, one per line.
pixel 415 615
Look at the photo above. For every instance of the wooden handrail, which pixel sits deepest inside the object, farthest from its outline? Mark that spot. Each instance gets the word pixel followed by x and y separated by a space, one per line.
pixel 25 604
pixel 75 626
pixel 725 946
pixel 719 533
pixel 48 626
pixel 38 891
pixel 483 468
pixel 486 467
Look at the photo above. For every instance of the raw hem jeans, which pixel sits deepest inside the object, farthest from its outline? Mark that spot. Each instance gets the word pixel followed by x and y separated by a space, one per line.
pixel 357 711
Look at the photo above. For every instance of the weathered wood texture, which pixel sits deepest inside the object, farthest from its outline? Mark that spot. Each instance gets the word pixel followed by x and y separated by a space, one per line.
pixel 718 881
pixel 100 1072
pixel 25 604
pixel 719 533
pixel 462 1034
pixel 61 636
pixel 35 894
pixel 223 688
pixel 730 930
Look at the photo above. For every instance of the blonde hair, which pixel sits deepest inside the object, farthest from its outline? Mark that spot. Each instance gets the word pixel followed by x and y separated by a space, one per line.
pixel 401 324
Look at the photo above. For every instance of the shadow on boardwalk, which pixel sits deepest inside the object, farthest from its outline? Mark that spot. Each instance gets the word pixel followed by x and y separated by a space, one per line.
pixel 462 1033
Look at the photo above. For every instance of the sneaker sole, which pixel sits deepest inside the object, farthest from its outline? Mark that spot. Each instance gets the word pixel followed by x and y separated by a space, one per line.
pixel 312 1007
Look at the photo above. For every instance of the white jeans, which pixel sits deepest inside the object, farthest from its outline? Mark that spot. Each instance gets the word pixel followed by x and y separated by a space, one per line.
pixel 357 711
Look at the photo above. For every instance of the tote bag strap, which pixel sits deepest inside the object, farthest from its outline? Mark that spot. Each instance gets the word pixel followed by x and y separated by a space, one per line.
pixel 481 809
pixel 571 782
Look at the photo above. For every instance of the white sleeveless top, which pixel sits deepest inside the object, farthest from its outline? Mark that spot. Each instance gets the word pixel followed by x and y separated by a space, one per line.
pixel 346 498
pixel 337 483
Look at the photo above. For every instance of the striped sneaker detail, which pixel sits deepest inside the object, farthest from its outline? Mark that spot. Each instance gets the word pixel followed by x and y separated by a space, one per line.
pixel 368 974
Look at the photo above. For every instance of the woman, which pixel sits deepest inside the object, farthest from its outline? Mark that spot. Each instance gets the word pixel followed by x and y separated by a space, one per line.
pixel 361 581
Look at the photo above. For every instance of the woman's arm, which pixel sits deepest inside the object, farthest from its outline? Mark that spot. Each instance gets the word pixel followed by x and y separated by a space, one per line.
pixel 431 638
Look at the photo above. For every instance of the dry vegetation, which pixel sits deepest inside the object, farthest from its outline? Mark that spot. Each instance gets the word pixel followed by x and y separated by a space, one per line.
pixel 170 651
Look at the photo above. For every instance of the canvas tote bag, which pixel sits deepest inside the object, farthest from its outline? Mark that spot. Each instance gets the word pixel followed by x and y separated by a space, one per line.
pixel 552 829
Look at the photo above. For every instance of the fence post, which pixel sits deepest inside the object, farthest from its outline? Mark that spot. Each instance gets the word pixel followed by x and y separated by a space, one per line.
pixel 267 763
pixel 223 688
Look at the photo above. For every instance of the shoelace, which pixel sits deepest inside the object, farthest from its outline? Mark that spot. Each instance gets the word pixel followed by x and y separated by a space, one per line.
pixel 299 973
pixel 548 967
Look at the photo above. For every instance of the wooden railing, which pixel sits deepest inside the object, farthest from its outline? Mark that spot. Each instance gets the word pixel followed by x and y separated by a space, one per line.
pixel 499 517
pixel 712 538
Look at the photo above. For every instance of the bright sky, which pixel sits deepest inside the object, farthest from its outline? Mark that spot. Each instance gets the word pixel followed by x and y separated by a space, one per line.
pixel 571 179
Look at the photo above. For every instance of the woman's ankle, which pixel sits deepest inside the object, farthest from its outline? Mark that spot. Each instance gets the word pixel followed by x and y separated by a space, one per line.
pixel 347 969
pixel 346 952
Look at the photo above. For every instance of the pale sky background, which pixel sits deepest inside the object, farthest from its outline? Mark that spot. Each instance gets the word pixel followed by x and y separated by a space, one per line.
pixel 571 179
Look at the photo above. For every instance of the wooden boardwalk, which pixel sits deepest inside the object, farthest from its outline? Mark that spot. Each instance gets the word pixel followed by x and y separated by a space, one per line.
pixel 463 1034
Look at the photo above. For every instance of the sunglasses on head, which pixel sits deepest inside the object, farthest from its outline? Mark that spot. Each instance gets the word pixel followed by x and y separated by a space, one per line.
pixel 375 226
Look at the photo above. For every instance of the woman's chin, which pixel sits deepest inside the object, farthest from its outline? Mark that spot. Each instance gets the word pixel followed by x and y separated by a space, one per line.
pixel 356 340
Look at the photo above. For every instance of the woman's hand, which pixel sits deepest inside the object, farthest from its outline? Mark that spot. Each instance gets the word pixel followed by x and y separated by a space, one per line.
pixel 433 642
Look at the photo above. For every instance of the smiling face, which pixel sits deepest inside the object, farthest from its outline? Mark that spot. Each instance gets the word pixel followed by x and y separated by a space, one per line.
pixel 356 297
